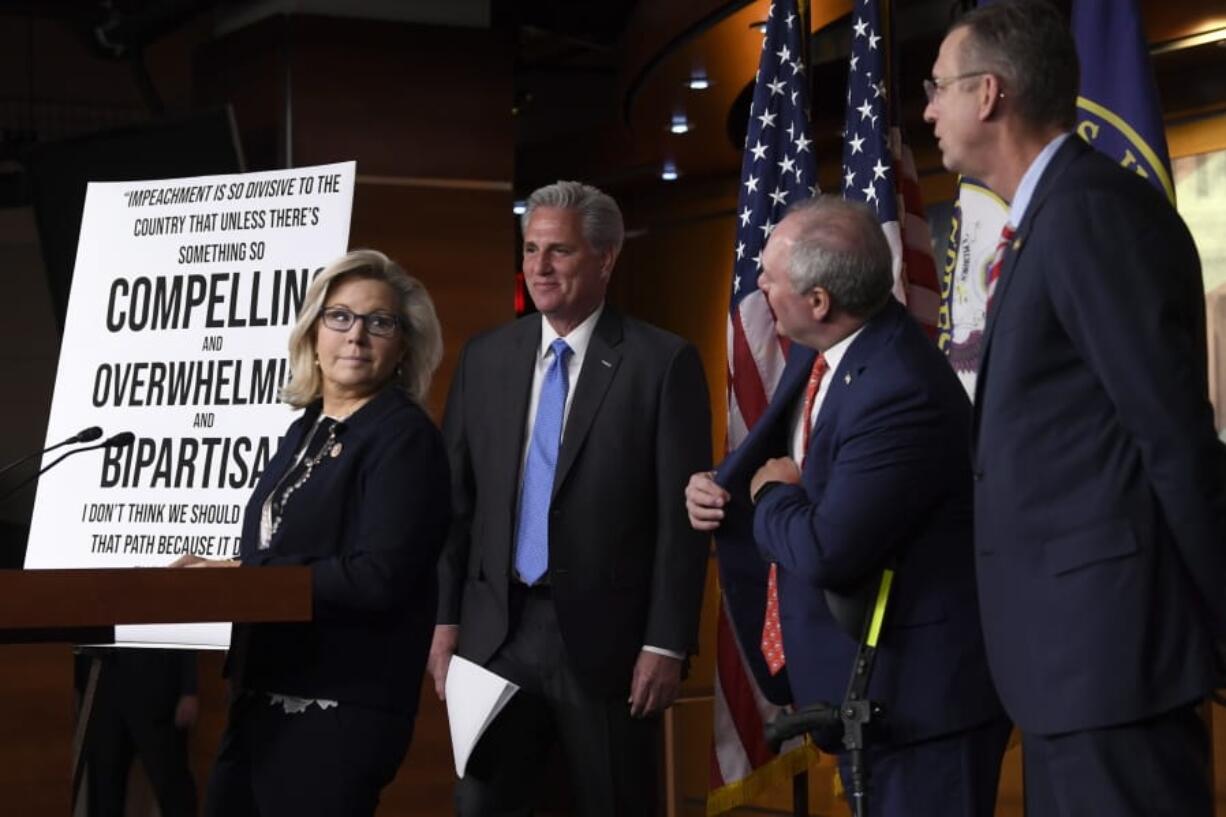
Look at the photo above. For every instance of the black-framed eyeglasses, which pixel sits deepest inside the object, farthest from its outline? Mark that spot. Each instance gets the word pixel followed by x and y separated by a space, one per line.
pixel 934 85
pixel 379 324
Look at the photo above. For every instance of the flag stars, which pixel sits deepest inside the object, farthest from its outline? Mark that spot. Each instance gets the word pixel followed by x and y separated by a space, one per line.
pixel 751 184
pixel 736 284
pixel 870 194
pixel 767 119
pixel 802 144
pixel 780 197
pixel 789 19
pixel 767 228
pixel 856 143
pixel 849 179
pixel 746 215
pixel 861 27
pixel 879 170
pixel 758 151
pixel 740 250
pixel 783 54
pixel 855 60
pixel 866 111
pixel 873 39
pixel 787 165
pixel 791 130
pixel 776 87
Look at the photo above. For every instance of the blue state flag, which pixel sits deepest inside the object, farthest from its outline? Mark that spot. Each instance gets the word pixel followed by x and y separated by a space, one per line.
pixel 1118 111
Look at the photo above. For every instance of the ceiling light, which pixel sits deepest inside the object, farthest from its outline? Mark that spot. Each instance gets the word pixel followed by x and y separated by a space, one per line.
pixel 669 172
pixel 1217 35
pixel 679 124
pixel 519 207
pixel 699 82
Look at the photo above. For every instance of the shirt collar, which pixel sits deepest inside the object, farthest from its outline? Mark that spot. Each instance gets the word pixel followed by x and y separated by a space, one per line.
pixel 834 355
pixel 1030 179
pixel 577 340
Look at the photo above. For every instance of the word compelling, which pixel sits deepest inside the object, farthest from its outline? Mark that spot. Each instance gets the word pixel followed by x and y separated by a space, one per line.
pixel 220 300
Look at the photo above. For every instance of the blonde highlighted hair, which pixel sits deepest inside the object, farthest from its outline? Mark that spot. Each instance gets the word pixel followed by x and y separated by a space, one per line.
pixel 422 337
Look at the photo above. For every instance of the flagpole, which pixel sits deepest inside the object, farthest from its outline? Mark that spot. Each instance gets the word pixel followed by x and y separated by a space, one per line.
pixel 800 781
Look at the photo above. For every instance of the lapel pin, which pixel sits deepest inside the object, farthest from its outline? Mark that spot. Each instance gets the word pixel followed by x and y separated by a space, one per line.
pixel 335 451
pixel 606 363
pixel 847 378
pixel 1017 244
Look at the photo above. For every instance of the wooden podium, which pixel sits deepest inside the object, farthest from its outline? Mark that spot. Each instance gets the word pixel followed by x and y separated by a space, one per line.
pixel 44 612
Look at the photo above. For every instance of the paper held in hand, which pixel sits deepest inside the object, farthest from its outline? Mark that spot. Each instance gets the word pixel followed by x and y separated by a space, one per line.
pixel 475 696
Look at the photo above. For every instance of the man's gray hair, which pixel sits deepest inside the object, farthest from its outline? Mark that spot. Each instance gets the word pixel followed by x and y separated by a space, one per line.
pixel 601 217
pixel 840 247
pixel 1027 43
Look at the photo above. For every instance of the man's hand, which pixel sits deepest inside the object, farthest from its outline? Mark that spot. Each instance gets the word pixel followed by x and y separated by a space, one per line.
pixel 705 500
pixel 192 560
pixel 446 637
pixel 780 469
pixel 186 711
pixel 655 683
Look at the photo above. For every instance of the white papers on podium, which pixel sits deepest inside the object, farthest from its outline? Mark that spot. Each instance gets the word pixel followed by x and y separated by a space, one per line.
pixel 475 696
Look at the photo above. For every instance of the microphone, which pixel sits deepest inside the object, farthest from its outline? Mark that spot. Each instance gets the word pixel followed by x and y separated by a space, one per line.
pixel 121 440
pixel 87 435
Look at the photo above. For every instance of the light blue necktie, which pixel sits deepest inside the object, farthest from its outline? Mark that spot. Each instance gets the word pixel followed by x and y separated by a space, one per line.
pixel 532 536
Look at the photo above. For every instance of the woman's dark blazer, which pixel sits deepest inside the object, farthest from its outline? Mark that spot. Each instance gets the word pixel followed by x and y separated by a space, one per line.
pixel 370 523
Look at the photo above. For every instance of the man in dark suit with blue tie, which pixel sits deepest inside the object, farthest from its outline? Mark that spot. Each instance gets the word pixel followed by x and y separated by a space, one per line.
pixel 858 464
pixel 571 568
pixel 1100 516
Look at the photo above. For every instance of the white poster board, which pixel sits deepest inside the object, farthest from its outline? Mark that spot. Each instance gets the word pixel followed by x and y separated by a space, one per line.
pixel 183 297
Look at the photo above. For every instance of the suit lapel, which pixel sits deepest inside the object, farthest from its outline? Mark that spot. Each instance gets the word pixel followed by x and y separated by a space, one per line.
pixel 773 424
pixel 846 377
pixel 600 366
pixel 1072 149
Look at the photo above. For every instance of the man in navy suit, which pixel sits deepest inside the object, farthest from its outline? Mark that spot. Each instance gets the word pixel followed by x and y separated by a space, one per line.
pixel 1100 520
pixel 867 470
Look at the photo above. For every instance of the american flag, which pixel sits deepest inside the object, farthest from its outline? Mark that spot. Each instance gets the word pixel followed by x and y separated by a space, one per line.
pixel 875 158
pixel 777 170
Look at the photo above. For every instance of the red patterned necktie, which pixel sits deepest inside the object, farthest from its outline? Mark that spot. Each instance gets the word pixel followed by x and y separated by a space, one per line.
pixel 772 631
pixel 998 261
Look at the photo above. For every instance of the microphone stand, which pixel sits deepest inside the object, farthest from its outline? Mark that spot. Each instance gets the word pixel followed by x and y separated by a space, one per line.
pixel 849 721
pixel 858 711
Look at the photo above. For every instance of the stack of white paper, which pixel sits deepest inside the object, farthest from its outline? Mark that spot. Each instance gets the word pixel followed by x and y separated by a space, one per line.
pixel 475 696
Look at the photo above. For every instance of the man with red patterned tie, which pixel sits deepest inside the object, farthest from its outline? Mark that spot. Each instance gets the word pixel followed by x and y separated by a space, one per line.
pixel 860 462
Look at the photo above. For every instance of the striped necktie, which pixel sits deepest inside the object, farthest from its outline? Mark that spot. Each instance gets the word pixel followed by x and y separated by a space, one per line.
pixel 998 261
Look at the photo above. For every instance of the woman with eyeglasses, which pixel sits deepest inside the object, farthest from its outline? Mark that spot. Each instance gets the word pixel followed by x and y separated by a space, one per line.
pixel 322 712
